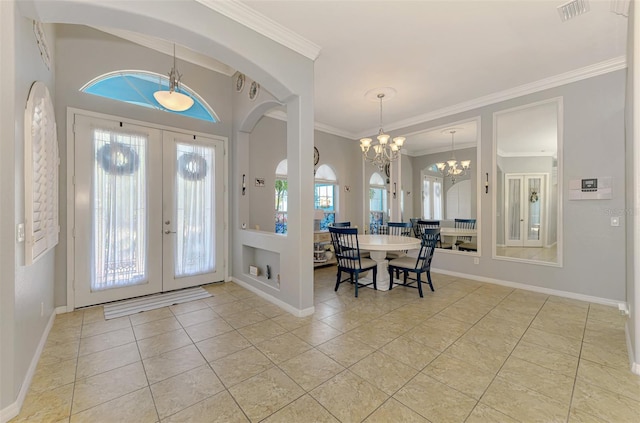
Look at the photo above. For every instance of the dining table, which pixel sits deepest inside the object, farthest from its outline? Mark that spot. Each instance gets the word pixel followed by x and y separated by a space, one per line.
pixel 378 246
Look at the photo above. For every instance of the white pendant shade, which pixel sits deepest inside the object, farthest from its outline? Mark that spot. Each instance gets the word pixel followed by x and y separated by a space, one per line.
pixel 173 100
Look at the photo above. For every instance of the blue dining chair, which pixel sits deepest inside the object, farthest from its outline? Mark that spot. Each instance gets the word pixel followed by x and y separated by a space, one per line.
pixel 419 265
pixel 347 253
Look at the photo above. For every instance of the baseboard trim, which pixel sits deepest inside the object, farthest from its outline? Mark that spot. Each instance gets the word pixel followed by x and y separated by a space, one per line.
pixel 635 367
pixel 295 311
pixel 549 291
pixel 13 409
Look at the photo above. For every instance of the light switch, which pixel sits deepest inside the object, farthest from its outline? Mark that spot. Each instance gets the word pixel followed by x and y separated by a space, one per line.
pixel 615 221
pixel 20 232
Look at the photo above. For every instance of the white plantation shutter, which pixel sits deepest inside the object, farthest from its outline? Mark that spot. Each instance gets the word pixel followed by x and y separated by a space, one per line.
pixel 41 174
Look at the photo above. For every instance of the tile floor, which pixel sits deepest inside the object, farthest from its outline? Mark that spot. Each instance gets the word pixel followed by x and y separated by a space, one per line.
pixel 468 352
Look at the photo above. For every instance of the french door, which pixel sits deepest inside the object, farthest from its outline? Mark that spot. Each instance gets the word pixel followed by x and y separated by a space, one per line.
pixel 148 210
pixel 524 208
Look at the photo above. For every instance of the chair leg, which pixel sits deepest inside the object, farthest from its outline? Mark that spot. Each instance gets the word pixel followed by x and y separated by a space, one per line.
pixel 391 277
pixel 356 278
pixel 338 280
pixel 406 276
pixel 375 278
pixel 429 279
pixel 419 284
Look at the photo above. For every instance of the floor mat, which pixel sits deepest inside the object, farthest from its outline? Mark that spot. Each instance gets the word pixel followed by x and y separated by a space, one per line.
pixel 151 302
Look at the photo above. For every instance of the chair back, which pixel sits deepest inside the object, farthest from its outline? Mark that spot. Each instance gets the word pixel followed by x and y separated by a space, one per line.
pixel 399 228
pixel 430 238
pixel 341 224
pixel 421 225
pixel 381 230
pixel 464 224
pixel 346 247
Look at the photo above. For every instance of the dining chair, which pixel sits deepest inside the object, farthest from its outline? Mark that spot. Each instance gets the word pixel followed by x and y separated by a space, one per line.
pixel 341 224
pixel 419 265
pixel 421 225
pixel 347 253
pixel 398 229
pixel 465 243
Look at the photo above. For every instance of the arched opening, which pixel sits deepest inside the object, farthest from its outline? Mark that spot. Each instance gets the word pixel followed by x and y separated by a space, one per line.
pixel 326 194
pixel 378 209
pixel 281 187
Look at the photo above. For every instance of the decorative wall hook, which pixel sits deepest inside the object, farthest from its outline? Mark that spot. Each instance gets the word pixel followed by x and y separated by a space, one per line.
pixel 394 190
pixel 486 184
pixel 244 185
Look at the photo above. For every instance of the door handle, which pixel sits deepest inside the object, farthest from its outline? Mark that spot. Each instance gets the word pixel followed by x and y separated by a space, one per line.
pixel 167 232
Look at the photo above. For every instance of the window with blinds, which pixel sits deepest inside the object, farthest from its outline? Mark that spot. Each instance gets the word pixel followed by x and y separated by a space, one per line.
pixel 41 174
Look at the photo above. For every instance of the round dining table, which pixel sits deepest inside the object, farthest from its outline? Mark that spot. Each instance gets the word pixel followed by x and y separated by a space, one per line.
pixel 378 245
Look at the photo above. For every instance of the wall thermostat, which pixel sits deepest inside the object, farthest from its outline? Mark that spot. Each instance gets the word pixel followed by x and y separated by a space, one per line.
pixel 590 188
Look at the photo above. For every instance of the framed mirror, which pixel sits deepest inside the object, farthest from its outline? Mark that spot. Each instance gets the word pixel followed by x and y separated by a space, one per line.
pixel 445 181
pixel 527 173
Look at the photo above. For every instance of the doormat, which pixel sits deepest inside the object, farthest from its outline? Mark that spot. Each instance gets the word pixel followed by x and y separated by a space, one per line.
pixel 152 302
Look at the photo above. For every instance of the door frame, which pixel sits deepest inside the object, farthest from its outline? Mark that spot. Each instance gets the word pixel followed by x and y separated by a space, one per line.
pixel 70 200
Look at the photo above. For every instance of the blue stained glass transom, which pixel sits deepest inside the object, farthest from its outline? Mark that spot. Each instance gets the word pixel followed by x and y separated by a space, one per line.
pixel 137 87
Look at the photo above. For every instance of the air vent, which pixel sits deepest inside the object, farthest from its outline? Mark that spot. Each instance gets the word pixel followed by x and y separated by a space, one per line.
pixel 573 8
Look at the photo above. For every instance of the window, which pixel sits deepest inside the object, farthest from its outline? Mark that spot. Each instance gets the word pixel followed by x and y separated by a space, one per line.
pixel 377 202
pixel 325 194
pixel 431 197
pixel 137 87
pixel 281 188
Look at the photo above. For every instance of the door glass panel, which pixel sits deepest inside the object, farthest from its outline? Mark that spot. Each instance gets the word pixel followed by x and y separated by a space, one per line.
pixel 195 210
pixel 534 195
pixel 119 208
pixel 513 209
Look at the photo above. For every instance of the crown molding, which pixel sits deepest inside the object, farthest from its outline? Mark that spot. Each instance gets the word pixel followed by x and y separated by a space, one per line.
pixel 250 18
pixel 435 150
pixel 280 115
pixel 166 47
pixel 590 71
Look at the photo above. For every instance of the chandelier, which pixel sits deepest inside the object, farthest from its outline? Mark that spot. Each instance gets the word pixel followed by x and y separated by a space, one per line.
pixel 452 168
pixel 384 152
pixel 173 99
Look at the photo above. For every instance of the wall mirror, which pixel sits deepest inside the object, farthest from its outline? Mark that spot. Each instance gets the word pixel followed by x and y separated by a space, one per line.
pixel 527 170
pixel 445 180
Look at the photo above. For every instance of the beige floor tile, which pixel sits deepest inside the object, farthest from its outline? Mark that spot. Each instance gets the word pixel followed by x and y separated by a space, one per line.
pixel 159 344
pixel 97 328
pixel 265 393
pixel 568 301
pixel 261 331
pixel 244 318
pixel 579 416
pixel 71 319
pixel 150 316
pixel 64 335
pixel 617 380
pixel 384 372
pixel 343 322
pixel 485 414
pixel 184 390
pixel 198 316
pixel 271 310
pixel 514 312
pixel 552 341
pixel 603 334
pixel 434 400
pixel 438 339
pixel 482 357
pixel 107 340
pixel 492 339
pixel 393 411
pixel 608 314
pixel 208 329
pixel 156 327
pixel 461 375
pixel 506 328
pixel 550 359
pixel 316 333
pixel 106 386
pixel 606 355
pixel 547 382
pixel 349 397
pixel 188 307
pixel 409 352
pixel 220 408
pixel 46 406
pixel 221 346
pixel 283 347
pixel 55 353
pixel 523 404
pixel 462 311
pixel 311 369
pixel 54 375
pixel 304 409
pixel 93 314
pixel 549 323
pixel 604 404
pixel 345 349
pixel 374 335
pixel 240 366
pixel 291 322
pixel 134 407
pixel 171 363
pixel 564 311
pixel 230 308
pixel 103 361
pixel 219 299
pixel 323 310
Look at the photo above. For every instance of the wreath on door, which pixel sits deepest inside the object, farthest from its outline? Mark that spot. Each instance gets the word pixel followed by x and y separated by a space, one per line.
pixel 192 167
pixel 118 159
pixel 533 197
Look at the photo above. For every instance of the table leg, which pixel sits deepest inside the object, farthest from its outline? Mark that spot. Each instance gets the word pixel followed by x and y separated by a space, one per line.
pixel 382 281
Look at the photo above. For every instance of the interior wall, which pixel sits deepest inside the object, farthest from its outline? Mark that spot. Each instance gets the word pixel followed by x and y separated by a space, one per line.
pixel 407 188
pixel 83 54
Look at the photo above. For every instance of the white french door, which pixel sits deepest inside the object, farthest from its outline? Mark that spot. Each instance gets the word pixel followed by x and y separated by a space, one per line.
pixel 524 209
pixel 148 210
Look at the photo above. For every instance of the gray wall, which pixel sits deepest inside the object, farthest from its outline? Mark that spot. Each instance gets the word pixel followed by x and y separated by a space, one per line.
pixel 24 288
pixel 408 188
pixel 82 54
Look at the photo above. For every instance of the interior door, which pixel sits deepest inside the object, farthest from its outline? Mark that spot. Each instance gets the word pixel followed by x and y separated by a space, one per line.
pixel 524 209
pixel 118 244
pixel 192 211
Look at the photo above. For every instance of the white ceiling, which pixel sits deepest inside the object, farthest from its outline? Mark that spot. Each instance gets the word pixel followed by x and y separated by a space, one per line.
pixel 440 55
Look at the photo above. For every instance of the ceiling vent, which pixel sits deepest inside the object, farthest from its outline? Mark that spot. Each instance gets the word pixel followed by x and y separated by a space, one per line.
pixel 573 8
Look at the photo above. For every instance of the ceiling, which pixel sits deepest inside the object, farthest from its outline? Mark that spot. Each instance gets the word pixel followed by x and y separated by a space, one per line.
pixel 442 56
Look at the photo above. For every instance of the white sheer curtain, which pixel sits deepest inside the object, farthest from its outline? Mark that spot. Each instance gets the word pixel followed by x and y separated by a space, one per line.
pixel 195 203
pixel 119 207
pixel 514 209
